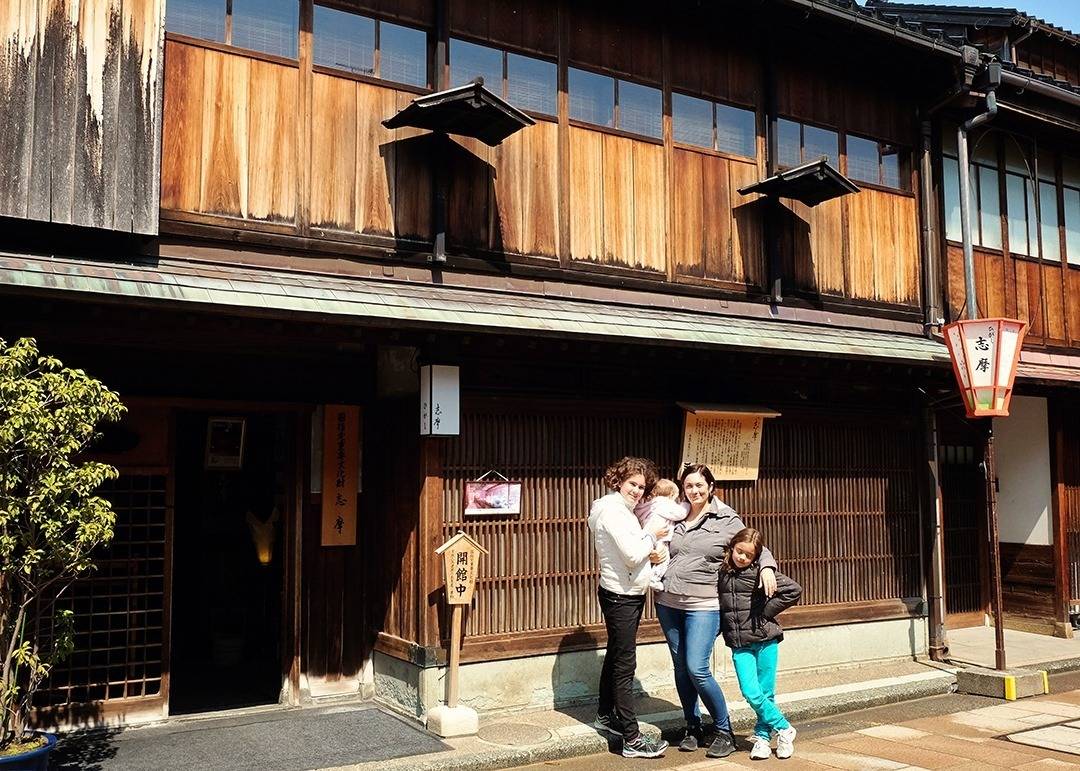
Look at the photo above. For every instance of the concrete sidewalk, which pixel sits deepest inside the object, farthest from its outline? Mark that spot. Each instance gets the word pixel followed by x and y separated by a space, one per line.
pixel 532 737
pixel 975 646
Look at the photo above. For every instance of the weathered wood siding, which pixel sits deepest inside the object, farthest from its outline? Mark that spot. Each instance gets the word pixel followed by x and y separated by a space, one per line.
pixel 863 246
pixel 1041 293
pixel 80 106
pixel 1055 58
pixel 259 143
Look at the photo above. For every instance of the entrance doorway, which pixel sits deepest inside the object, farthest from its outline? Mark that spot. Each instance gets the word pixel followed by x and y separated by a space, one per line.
pixel 232 483
pixel 963 491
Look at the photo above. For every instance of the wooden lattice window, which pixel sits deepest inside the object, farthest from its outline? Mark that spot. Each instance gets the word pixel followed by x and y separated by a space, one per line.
pixel 120 607
pixel 837 499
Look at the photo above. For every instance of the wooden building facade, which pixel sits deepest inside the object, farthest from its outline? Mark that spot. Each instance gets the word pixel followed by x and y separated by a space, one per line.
pixel 277 255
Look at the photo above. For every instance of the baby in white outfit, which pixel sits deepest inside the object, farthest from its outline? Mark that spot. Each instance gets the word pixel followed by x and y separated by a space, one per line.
pixel 661 505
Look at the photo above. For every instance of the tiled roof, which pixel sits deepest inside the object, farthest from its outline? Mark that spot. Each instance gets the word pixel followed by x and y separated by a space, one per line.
pixel 404 304
pixel 963 15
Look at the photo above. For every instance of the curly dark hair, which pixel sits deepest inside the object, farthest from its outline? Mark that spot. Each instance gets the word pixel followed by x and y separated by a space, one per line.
pixel 624 468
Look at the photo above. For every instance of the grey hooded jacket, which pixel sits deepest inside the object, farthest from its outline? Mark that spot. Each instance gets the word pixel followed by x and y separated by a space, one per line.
pixel 747 616
pixel 697 553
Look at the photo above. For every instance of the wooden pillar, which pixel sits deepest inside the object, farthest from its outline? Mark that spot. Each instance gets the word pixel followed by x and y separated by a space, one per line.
pixel 304 112
pixel 429 537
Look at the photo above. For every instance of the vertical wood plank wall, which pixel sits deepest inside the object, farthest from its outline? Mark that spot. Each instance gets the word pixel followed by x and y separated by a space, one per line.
pixel 1042 293
pixel 80 100
pixel 837 500
pixel 650 207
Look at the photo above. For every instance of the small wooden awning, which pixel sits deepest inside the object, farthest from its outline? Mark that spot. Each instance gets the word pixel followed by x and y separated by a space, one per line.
pixel 811 183
pixel 470 110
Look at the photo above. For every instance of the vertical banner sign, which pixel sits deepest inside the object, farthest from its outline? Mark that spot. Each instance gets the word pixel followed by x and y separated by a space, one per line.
pixel 439 400
pixel 729 443
pixel 340 474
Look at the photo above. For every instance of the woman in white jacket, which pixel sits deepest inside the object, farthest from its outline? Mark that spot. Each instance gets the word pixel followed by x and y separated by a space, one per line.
pixel 625 553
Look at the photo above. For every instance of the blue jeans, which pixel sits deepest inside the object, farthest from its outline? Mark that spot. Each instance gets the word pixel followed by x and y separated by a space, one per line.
pixel 755 666
pixel 691 635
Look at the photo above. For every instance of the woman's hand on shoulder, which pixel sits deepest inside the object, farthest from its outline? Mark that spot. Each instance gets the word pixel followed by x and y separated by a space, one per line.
pixel 659 530
pixel 768 581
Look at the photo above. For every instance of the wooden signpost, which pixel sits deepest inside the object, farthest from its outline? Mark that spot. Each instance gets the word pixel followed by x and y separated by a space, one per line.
pixel 460 557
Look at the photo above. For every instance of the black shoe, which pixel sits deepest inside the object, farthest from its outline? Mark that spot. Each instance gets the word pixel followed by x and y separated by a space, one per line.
pixel 693 739
pixel 722 746
pixel 606 724
pixel 644 747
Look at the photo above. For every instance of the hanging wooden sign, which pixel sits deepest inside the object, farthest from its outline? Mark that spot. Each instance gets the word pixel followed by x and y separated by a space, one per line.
pixel 340 474
pixel 726 439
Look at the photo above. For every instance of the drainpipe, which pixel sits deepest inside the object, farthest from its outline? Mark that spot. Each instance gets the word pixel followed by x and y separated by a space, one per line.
pixel 965 185
pixel 931 275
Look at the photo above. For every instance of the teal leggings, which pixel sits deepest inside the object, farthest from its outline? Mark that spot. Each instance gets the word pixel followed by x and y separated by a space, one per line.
pixel 755 666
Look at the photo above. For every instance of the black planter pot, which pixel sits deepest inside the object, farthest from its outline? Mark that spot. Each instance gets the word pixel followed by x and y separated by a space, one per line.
pixel 34 760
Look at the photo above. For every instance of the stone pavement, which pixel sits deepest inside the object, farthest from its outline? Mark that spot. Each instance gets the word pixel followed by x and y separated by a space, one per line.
pixel 975 645
pixel 1039 733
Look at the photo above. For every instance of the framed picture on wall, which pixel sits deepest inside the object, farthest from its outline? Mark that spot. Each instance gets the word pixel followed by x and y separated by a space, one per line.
pixel 492 497
pixel 225 443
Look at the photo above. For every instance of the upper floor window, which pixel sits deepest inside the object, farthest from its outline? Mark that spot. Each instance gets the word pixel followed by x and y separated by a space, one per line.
pixel 1070 177
pixel 608 101
pixel 879 163
pixel 1021 211
pixel 365 46
pixel 1049 216
pixel 985 186
pixel 714 125
pixel 269 26
pixel 524 81
pixel 801 143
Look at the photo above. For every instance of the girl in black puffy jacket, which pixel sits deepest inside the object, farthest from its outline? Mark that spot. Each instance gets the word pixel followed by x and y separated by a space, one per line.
pixel 750 629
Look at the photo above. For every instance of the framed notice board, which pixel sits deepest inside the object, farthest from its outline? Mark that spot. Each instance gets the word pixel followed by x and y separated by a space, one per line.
pixel 726 438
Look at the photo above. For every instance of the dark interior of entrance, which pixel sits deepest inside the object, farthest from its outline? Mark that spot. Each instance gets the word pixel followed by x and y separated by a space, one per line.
pixel 963 491
pixel 231 487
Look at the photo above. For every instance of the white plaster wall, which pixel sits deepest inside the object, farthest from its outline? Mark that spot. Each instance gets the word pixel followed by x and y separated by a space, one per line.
pixel 555 680
pixel 1022 443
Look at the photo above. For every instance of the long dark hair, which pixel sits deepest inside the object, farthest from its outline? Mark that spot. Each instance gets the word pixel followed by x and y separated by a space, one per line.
pixel 746 535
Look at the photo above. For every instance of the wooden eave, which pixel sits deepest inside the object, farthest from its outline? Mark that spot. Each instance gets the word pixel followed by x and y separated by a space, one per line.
pixel 810 183
pixel 470 110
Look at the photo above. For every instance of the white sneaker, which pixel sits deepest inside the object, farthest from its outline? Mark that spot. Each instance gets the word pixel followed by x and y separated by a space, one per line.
pixel 761 749
pixel 785 743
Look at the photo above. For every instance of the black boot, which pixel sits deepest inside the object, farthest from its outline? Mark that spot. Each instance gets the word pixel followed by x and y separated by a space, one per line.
pixel 722 746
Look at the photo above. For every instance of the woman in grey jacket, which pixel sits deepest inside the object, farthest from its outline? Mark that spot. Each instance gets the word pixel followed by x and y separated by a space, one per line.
pixel 689 606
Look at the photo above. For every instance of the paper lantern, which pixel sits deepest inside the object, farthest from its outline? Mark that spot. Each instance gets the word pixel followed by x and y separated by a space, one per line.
pixel 984 355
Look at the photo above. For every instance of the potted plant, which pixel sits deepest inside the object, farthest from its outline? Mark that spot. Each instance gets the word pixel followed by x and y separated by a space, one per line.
pixel 51 522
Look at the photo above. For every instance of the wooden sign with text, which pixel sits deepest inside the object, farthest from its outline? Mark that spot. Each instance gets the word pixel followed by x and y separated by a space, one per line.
pixel 729 443
pixel 340 474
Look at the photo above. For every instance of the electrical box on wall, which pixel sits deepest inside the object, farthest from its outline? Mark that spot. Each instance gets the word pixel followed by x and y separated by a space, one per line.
pixel 440 399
